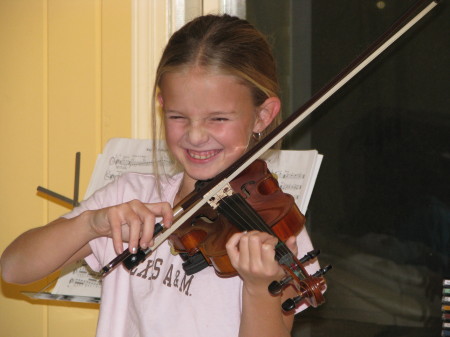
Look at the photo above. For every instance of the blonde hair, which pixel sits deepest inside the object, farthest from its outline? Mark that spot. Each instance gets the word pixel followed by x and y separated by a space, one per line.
pixel 222 44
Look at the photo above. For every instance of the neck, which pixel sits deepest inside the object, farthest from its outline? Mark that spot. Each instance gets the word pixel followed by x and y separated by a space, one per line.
pixel 187 186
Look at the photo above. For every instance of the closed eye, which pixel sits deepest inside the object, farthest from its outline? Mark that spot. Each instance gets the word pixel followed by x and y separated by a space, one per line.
pixel 219 119
pixel 174 116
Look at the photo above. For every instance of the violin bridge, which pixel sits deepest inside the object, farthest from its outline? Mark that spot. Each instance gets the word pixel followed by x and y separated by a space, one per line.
pixel 226 191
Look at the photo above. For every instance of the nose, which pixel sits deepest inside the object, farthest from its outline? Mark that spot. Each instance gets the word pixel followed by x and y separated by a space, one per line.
pixel 197 133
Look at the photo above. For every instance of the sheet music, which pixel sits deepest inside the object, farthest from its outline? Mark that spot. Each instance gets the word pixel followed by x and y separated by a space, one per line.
pixel 76 283
pixel 77 279
pixel 127 155
pixel 296 172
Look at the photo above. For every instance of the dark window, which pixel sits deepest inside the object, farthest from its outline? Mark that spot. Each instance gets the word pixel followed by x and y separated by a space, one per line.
pixel 380 209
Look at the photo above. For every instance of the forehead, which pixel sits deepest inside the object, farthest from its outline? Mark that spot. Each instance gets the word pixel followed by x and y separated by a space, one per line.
pixel 190 74
pixel 199 87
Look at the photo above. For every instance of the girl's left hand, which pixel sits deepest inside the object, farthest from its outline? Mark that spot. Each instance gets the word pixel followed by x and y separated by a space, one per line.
pixel 252 254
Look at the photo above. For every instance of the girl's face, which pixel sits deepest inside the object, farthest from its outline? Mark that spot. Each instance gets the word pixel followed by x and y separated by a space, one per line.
pixel 209 119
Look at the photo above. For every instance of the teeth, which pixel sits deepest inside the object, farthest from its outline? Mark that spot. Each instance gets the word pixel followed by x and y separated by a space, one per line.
pixel 202 155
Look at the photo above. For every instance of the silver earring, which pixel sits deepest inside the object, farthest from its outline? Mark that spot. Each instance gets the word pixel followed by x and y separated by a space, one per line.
pixel 257 136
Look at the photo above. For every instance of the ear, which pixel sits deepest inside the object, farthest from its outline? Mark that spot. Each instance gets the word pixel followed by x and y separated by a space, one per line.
pixel 160 99
pixel 266 113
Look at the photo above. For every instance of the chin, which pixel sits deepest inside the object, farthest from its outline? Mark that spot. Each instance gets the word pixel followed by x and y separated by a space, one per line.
pixel 203 174
pixel 204 171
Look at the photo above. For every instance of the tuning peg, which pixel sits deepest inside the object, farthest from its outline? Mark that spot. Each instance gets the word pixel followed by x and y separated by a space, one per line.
pixel 291 303
pixel 275 287
pixel 310 255
pixel 322 271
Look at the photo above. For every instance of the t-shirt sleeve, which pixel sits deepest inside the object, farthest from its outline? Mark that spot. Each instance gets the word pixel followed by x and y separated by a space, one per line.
pixel 104 197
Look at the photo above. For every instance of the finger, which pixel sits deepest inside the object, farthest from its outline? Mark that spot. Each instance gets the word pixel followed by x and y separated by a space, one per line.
pixel 253 246
pixel 262 253
pixel 116 231
pixel 134 222
pixel 250 250
pixel 148 214
pixel 261 249
pixel 268 250
pixel 164 210
pixel 232 247
pixel 147 229
pixel 161 209
pixel 291 243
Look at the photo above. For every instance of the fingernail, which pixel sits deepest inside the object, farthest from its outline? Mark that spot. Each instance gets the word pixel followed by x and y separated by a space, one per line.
pixel 133 250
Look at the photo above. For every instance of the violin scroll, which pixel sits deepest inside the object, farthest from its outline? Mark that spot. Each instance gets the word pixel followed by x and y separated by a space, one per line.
pixel 277 286
pixel 308 287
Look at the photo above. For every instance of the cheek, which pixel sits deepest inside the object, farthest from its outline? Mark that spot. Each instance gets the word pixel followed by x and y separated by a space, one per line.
pixel 234 137
pixel 173 133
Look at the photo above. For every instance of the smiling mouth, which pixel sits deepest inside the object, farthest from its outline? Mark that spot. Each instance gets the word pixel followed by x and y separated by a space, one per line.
pixel 202 155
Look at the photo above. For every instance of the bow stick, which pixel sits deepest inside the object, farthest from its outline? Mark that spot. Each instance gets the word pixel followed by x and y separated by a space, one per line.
pixel 194 201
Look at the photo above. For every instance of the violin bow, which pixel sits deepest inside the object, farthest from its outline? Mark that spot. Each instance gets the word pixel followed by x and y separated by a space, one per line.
pixel 194 201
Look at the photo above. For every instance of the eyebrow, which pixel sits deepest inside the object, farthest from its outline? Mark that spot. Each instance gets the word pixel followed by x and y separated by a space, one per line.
pixel 232 112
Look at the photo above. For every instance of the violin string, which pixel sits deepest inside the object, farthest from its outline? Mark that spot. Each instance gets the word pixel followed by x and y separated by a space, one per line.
pixel 245 217
pixel 239 212
pixel 260 224
pixel 248 220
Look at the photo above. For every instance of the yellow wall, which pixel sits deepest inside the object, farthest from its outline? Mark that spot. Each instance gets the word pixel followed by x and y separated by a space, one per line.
pixel 64 87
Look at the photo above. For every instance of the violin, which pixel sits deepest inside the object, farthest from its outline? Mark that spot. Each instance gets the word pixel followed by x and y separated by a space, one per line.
pixel 253 201
pixel 245 196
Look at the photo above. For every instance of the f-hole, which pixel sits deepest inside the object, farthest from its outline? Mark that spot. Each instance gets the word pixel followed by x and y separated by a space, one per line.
pixel 245 190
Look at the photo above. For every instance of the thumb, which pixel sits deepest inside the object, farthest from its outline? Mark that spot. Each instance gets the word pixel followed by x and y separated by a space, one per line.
pixel 291 243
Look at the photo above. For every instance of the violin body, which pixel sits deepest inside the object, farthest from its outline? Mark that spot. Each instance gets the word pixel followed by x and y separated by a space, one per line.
pixel 208 230
pixel 255 202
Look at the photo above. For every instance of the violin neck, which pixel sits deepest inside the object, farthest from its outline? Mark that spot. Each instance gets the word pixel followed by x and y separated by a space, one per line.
pixel 243 216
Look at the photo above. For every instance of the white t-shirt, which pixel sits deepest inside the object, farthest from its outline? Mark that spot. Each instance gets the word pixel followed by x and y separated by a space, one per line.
pixel 157 298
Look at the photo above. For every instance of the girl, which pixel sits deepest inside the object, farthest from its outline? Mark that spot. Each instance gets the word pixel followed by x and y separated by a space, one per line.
pixel 217 87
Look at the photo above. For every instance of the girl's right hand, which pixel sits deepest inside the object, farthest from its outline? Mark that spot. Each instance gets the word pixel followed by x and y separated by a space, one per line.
pixel 132 222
